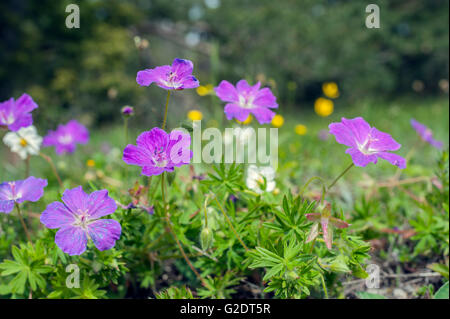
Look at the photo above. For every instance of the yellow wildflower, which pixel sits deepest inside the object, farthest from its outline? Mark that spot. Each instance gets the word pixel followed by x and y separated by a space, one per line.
pixel 301 129
pixel 323 107
pixel 330 89
pixel 203 90
pixel 90 163
pixel 195 115
pixel 278 120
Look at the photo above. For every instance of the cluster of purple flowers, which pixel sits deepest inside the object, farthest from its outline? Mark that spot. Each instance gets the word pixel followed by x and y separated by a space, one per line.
pixel 78 217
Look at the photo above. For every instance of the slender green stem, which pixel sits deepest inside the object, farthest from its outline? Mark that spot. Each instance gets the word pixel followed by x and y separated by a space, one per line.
pixel 339 177
pixel 324 286
pixel 165 111
pixel 125 128
pixel 230 223
pixel 206 214
pixel 22 221
pixel 169 226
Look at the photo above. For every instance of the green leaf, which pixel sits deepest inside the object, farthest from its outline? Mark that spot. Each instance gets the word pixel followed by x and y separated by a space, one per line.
pixel 368 295
pixel 442 293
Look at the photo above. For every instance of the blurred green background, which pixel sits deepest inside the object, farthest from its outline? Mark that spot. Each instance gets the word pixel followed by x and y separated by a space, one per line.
pixel 293 46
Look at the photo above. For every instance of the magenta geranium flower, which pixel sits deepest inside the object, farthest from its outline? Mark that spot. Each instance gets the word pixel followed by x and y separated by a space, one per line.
pixel 425 134
pixel 78 219
pixel 177 76
pixel 16 114
pixel 245 99
pixel 366 144
pixel 156 151
pixel 30 189
pixel 66 137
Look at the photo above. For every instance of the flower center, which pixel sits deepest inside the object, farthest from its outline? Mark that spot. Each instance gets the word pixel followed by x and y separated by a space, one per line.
pixel 366 149
pixel 14 196
pixel 246 101
pixel 160 158
pixel 7 119
pixel 82 219
pixel 65 139
pixel 23 142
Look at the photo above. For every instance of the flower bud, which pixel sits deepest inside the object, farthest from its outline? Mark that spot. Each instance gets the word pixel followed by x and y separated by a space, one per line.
pixel 206 238
pixel 127 111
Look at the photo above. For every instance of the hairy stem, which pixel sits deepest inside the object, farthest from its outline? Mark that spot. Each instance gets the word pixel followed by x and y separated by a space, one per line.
pixel 169 226
pixel 339 177
pixel 165 111
pixel 231 224
pixel 24 225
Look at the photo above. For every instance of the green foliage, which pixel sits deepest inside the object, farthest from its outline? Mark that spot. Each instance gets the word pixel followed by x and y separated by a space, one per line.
pixel 175 293
pixel 27 270
pixel 442 293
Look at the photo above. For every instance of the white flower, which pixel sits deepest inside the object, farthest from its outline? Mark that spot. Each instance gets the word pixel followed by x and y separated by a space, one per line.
pixel 257 177
pixel 24 142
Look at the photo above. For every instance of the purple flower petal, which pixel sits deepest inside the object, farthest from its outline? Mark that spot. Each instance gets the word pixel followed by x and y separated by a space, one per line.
pixel 6 206
pixel 151 170
pixel 394 159
pixel 263 115
pixel 16 114
pixel 227 92
pixel 156 151
pixel 425 134
pixel 153 140
pixel 266 98
pixel 149 76
pixel 360 159
pixel 71 240
pixel 56 215
pixel 104 233
pixel 99 204
pixel 30 189
pixel 237 112
pixel 246 99
pixel 76 200
pixel 66 137
pixel 134 155
pixel 383 141
pixel 178 76
pixel 366 143
pixel 182 68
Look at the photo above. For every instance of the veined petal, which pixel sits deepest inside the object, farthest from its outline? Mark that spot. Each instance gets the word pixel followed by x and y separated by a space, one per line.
pixel 235 111
pixel 31 189
pixel 154 140
pixel 135 155
pixel 382 141
pixel 265 98
pixel 394 159
pixel 6 206
pixel 104 233
pixel 56 215
pixel 75 200
pixel 182 68
pixel 360 159
pixel 99 204
pixel 71 240
pixel 263 115
pixel 148 76
pixel 226 92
